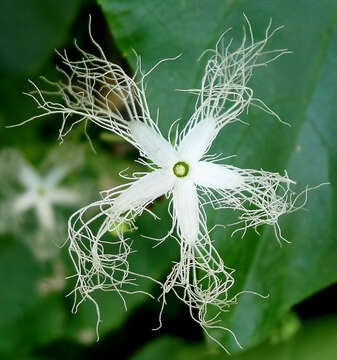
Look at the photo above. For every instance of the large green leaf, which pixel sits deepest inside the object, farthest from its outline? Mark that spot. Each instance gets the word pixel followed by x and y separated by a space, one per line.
pixel 301 87
pixel 316 340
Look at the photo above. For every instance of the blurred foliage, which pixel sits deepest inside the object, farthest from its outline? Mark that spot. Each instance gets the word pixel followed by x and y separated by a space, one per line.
pixel 300 87
pixel 31 31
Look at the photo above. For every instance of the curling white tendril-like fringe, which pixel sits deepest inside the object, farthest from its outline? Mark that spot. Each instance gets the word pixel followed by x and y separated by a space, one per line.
pixel 93 92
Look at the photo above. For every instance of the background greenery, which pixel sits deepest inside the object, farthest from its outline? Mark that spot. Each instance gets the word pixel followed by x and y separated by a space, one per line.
pixel 36 320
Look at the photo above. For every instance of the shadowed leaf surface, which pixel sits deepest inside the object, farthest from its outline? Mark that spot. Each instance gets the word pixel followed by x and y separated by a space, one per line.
pixel 316 339
pixel 39 27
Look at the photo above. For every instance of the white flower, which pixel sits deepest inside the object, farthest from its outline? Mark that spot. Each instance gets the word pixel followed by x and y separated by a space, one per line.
pixel 181 171
pixel 41 193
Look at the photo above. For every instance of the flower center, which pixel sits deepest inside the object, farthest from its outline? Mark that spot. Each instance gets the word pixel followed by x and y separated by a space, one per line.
pixel 181 169
pixel 41 192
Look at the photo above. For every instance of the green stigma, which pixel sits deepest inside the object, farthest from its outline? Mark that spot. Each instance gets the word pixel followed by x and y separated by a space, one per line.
pixel 181 169
pixel 41 191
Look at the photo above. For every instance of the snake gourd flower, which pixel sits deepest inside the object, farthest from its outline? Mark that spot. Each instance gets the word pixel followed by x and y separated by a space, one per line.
pixel 181 170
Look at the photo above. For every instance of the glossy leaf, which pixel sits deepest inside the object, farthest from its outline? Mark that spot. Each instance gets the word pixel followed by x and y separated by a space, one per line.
pixel 301 88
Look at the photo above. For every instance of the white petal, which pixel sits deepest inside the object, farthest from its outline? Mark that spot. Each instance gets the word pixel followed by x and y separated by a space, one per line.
pixel 198 140
pixel 153 144
pixel 24 202
pixel 215 176
pixel 55 175
pixel 29 177
pixel 45 214
pixel 186 210
pixel 144 190
pixel 62 196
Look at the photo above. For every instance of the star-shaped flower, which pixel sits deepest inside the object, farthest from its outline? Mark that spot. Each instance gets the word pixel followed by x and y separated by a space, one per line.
pixel 41 193
pixel 181 170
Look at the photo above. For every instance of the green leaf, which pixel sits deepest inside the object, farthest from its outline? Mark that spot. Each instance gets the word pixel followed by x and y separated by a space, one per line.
pixel 163 347
pixel 316 340
pixel 19 273
pixel 301 88
pixel 37 326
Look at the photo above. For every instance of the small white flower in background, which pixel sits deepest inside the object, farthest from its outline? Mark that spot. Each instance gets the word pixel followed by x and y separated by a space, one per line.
pixel 183 171
pixel 31 203
pixel 42 193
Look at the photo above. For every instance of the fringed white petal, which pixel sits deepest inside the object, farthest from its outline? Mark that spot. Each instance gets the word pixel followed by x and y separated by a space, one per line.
pixel 261 198
pixel 96 91
pixel 216 176
pixel 101 259
pixel 143 191
pixel 202 281
pixel 186 210
pixel 197 141
pixel 152 144
pixel 224 94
